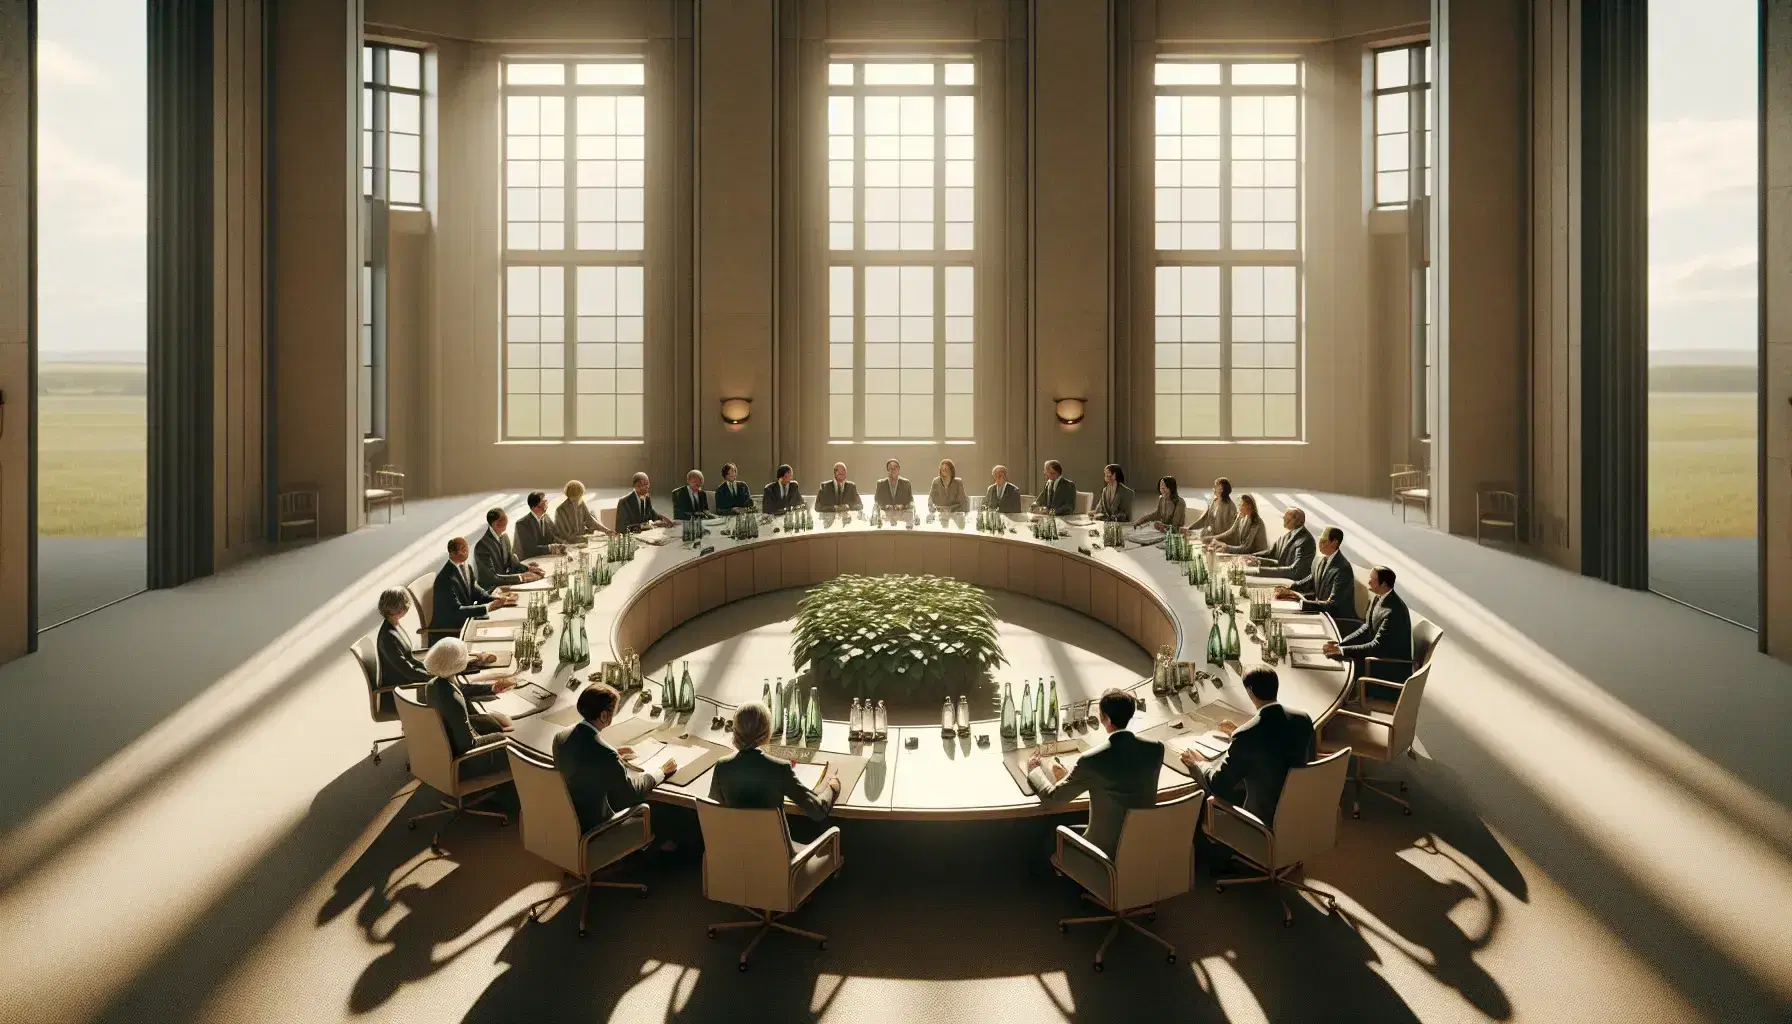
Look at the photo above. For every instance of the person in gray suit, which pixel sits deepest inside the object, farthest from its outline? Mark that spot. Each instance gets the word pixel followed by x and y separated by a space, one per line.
pixel 1247 535
pixel 945 496
pixel 1219 514
pixel 1255 766
pixel 894 491
pixel 1114 503
pixel 451 697
pixel 1001 496
pixel 1118 775
pixel 750 777
pixel 494 561
pixel 1386 633
pixel 599 777
pixel 1331 586
pixel 635 509
pixel 838 494
pixel 1291 556
pixel 536 534
pixel 1058 496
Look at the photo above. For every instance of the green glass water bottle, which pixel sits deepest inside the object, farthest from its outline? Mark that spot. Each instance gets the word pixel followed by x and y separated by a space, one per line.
pixel 1051 710
pixel 1232 649
pixel 687 694
pixel 1009 725
pixel 1216 650
pixel 812 717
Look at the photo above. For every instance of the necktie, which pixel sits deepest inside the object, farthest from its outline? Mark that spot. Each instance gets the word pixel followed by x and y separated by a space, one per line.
pixel 466 576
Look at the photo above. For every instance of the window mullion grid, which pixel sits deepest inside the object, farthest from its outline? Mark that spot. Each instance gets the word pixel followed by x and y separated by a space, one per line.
pixel 1225 261
pixel 939 251
pixel 569 219
pixel 381 126
pixel 858 261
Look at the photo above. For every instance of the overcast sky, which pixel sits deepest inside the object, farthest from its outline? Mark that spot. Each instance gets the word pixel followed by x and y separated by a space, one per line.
pixel 1702 108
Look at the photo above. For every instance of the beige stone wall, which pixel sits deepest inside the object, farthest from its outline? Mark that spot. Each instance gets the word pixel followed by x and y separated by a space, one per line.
pixel 17 310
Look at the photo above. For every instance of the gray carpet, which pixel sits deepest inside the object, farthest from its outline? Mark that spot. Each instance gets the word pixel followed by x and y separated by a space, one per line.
pixel 78 574
pixel 1721 575
pixel 200 836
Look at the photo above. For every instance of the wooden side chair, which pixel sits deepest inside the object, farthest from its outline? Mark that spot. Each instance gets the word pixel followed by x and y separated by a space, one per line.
pixel 1408 487
pixel 1496 510
pixel 385 488
pixel 297 510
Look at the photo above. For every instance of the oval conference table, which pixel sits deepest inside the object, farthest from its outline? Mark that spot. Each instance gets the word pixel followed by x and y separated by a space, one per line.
pixel 1133 589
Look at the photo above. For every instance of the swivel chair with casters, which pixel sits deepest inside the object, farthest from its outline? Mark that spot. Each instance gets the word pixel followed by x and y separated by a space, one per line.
pixel 434 763
pixel 1426 635
pixel 1306 825
pixel 747 861
pixel 381 700
pixel 551 832
pixel 423 601
pixel 1377 736
pixel 1153 861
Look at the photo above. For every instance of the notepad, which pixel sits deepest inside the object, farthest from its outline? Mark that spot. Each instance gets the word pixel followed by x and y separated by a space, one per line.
pixel 810 775
pixel 1314 660
pixel 482 631
pixel 1303 628
pixel 654 753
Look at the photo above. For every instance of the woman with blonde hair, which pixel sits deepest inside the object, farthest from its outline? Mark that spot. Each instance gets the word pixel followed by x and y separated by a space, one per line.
pixel 750 777
pixel 572 518
pixel 1247 535
pixel 947 492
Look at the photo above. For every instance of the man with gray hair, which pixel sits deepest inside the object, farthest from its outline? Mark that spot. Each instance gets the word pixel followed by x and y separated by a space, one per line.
pixel 1001 496
pixel 691 501
pixel 838 494
pixel 635 509
pixel 450 695
pixel 1291 556
pixel 750 777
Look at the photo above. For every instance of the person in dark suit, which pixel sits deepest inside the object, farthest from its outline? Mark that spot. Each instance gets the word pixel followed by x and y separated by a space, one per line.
pixel 398 665
pixel 1114 503
pixel 1386 633
pixel 451 697
pixel 598 776
pixel 1263 750
pixel 458 596
pixel 894 491
pixel 1118 775
pixel 1291 556
pixel 536 534
pixel 1331 585
pixel 838 494
pixel 781 494
pixel 635 509
pixel 1058 496
pixel 1001 496
pixel 733 497
pixel 750 777
pixel 691 501
pixel 494 561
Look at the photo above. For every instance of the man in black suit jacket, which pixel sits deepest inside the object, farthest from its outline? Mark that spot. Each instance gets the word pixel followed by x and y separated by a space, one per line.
pixel 1331 586
pixel 782 493
pixel 458 596
pixel 1263 750
pixel 1001 496
pixel 450 696
pixel 635 509
pixel 691 501
pixel 1118 775
pixel 750 777
pixel 536 534
pixel 1386 633
pixel 494 561
pixel 1291 556
pixel 1058 496
pixel 597 775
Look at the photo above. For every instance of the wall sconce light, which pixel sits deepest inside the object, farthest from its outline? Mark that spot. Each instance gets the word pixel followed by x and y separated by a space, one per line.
pixel 736 410
pixel 1070 411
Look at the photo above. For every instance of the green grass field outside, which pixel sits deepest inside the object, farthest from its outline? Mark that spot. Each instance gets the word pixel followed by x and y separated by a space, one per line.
pixel 1702 464
pixel 92 429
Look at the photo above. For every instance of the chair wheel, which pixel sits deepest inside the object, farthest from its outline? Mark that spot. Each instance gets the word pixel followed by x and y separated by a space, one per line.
pixel 1356 812
pixel 1169 958
pixel 1403 787
pixel 1098 967
pixel 1287 922
pixel 1406 811
pixel 407 766
pixel 711 932
pixel 581 933
pixel 412 825
pixel 822 944
pixel 376 759
pixel 436 848
pixel 1219 888
pixel 743 967
pixel 1063 929
pixel 641 893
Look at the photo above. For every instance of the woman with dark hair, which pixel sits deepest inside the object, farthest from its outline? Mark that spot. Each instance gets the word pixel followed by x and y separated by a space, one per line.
pixel 732 495
pixel 1170 512
pixel 1220 513
pixel 946 495
pixel 1247 535
pixel 1114 503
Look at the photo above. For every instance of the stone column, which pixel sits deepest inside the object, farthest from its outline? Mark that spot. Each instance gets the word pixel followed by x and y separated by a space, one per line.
pixel 18 329
pixel 1776 328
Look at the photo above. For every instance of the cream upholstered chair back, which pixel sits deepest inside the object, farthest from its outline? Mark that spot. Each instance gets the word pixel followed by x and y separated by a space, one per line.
pixel 1155 857
pixel 423 602
pixel 1307 814
pixel 550 824
pixel 426 741
pixel 746 856
pixel 1406 712
pixel 367 655
pixel 1085 500
pixel 1425 637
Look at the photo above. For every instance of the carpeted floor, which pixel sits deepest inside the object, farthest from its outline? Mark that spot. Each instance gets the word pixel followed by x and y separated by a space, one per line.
pixel 194 832
pixel 78 574
pixel 1721 575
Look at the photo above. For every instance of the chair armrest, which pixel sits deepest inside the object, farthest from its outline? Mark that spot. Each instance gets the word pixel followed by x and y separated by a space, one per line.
pixel 1371 719
pixel 1365 678
pixel 1067 836
pixel 829 838
pixel 484 748
pixel 1215 803
pixel 640 812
